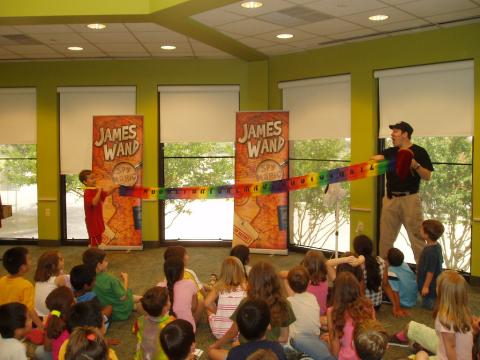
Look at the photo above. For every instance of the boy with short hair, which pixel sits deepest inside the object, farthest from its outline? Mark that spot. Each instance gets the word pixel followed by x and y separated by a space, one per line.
pixel 430 263
pixel 402 279
pixel 93 199
pixel 305 331
pixel 15 323
pixel 371 340
pixel 14 287
pixel 178 340
pixel 253 319
pixel 109 289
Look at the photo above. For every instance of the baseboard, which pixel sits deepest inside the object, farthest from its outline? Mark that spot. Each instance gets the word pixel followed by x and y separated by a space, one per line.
pixel 49 243
pixel 151 244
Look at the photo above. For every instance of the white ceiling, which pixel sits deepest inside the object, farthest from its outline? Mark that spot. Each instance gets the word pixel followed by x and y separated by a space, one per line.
pixel 314 23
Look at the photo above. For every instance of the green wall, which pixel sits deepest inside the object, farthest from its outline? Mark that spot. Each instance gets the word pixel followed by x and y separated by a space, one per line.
pixel 360 60
pixel 259 90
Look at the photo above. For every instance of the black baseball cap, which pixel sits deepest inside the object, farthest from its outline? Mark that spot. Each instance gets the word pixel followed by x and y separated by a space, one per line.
pixel 402 125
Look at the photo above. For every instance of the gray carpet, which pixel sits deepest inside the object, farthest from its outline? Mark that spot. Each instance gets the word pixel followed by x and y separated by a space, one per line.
pixel 145 269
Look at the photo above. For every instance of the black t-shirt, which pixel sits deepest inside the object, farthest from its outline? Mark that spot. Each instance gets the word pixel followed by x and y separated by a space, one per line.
pixel 412 182
pixel 241 352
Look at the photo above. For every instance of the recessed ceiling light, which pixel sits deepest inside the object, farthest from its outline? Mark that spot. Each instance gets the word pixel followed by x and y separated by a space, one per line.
pixel 251 4
pixel 378 17
pixel 96 26
pixel 285 36
pixel 168 47
pixel 75 48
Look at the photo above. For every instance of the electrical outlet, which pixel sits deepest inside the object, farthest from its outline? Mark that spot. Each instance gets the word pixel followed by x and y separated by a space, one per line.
pixel 360 228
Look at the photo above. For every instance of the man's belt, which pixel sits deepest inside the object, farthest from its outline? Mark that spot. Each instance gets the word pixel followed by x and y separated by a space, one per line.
pixel 400 193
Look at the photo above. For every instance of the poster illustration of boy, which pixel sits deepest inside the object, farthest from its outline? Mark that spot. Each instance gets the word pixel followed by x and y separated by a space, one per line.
pixel 93 199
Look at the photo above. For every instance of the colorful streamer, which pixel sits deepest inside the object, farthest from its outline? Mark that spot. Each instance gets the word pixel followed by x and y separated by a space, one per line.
pixel 308 181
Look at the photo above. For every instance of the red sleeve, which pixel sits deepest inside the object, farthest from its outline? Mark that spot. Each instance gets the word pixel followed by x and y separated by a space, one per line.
pixel 88 196
pixel 103 196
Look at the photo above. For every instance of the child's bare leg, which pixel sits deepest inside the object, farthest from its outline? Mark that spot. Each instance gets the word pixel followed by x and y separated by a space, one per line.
pixel 107 311
pixel 197 314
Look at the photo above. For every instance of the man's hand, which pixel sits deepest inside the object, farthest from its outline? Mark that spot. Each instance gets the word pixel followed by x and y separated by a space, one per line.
pixel 425 291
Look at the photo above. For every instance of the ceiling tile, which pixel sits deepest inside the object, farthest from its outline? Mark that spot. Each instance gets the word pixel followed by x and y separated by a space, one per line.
pixel 453 16
pixel 121 48
pixel 425 8
pixel 199 46
pixel 29 49
pixel 87 49
pixel 8 30
pixel 219 55
pixel 110 37
pixel 159 37
pixel 327 27
pixel 128 54
pixel 396 2
pixel 395 15
pixel 281 19
pixel 344 7
pixel 279 49
pixel 402 25
pixel 145 27
pixel 310 43
pixel 217 17
pixel 352 34
pixel 268 6
pixel 300 2
pixel 297 36
pixel 45 29
pixel 48 55
pixel 231 34
pixel 249 27
pixel 173 54
pixel 459 22
pixel 255 42
pixel 59 38
pixel 111 27
pixel 5 41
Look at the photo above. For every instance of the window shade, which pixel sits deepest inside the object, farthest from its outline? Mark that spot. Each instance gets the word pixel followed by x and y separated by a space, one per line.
pixel 319 108
pixel 198 113
pixel 78 105
pixel 18 116
pixel 437 100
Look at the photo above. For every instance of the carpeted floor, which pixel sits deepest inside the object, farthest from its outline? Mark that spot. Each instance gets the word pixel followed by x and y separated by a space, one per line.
pixel 145 269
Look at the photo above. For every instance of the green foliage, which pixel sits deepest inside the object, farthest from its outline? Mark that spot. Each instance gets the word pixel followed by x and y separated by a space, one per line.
pixel 19 166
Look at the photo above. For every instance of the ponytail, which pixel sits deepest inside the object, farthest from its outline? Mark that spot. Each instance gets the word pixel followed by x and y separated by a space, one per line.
pixel 364 246
pixel 59 302
pixel 173 269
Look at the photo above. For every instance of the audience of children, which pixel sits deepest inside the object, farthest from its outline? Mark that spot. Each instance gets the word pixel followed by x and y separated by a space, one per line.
pixel 253 319
pixel 304 332
pixel 225 296
pixel 48 276
pixel 15 323
pixel 430 263
pixel 402 279
pixel 109 289
pixel 178 340
pixel 252 316
pixel 156 304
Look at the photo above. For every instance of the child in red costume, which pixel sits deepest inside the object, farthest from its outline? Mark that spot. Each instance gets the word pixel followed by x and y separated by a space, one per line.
pixel 93 199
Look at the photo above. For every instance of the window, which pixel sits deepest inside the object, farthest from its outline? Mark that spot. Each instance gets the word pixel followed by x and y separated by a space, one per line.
pixel 196 164
pixel 312 218
pixel 18 187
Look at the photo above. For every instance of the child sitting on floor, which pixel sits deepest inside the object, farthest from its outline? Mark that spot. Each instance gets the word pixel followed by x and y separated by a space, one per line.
pixel 15 323
pixel 402 279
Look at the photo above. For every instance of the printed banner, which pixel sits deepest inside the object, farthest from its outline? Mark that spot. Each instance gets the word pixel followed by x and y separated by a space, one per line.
pixel 261 154
pixel 117 160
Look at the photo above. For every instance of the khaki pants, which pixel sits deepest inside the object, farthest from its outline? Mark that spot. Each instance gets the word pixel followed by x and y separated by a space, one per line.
pixel 406 210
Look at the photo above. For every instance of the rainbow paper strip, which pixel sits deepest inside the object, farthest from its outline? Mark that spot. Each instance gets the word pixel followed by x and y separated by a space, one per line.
pixel 307 181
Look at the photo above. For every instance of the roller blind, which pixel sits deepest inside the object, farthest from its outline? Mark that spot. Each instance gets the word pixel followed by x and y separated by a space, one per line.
pixel 437 100
pixel 78 105
pixel 18 116
pixel 319 108
pixel 198 113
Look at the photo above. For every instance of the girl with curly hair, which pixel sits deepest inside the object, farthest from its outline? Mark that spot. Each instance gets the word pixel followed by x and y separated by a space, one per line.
pixel 349 309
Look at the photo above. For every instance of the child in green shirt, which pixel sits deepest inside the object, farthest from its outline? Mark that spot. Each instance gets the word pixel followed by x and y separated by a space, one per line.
pixel 109 289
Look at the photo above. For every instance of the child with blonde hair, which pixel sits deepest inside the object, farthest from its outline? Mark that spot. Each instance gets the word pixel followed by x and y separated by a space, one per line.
pixel 452 337
pixel 229 290
pixel 48 276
